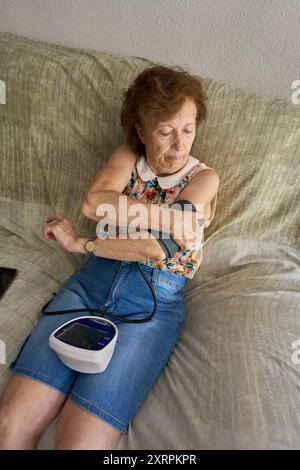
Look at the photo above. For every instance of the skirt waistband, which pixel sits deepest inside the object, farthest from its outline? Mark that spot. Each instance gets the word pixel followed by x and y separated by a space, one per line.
pixel 156 274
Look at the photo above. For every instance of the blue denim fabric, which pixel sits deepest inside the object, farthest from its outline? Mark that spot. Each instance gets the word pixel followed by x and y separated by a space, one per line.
pixel 142 349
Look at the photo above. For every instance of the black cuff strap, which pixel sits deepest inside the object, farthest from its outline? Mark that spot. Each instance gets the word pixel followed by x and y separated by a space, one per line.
pixel 169 245
pixel 184 205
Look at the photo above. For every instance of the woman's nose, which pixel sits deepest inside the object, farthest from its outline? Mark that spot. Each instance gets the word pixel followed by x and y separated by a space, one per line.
pixel 177 142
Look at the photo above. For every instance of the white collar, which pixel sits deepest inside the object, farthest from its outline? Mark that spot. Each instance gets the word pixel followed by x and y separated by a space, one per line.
pixel 168 181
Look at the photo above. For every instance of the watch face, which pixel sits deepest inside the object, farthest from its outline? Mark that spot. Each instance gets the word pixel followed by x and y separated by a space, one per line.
pixel 90 246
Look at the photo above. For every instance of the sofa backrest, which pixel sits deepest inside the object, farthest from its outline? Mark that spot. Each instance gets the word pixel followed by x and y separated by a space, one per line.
pixel 60 123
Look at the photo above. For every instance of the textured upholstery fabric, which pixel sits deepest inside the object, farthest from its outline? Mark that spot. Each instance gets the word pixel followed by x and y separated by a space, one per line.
pixel 231 382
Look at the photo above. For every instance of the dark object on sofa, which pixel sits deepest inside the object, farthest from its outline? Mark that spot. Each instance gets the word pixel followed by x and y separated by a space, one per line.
pixel 7 275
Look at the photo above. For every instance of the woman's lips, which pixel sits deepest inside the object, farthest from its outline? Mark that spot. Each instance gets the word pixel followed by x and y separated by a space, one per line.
pixel 173 157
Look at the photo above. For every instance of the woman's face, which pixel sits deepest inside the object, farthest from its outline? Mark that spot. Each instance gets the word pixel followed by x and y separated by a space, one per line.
pixel 168 143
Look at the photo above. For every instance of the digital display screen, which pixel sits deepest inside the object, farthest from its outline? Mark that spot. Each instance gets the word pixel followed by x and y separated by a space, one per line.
pixel 81 336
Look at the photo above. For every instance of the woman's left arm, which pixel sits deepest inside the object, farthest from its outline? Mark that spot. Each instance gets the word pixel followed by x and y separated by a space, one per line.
pixel 201 189
pixel 59 228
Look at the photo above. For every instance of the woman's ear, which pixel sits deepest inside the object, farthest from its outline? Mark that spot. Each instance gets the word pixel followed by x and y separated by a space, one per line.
pixel 139 132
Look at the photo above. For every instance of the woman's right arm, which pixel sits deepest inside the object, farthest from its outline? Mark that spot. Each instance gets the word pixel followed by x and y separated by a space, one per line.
pixel 115 175
pixel 107 187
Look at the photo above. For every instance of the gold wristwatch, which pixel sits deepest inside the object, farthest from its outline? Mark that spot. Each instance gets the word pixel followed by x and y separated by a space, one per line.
pixel 90 245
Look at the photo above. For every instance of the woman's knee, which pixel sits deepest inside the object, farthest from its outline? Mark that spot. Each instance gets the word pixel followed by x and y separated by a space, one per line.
pixel 13 436
pixel 79 430
pixel 26 409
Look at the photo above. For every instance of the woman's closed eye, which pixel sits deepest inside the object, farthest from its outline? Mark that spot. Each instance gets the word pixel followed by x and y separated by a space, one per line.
pixel 169 133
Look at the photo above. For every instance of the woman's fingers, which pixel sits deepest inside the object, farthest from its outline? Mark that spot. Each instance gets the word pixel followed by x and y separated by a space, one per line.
pixel 55 217
pixel 48 233
pixel 52 221
pixel 58 228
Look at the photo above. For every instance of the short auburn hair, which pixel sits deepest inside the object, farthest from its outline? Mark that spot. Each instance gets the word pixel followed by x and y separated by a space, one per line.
pixel 159 92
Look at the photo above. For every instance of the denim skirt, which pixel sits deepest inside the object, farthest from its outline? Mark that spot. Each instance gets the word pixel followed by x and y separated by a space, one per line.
pixel 142 349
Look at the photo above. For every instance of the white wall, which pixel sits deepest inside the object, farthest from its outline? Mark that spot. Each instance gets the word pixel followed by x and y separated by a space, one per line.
pixel 251 44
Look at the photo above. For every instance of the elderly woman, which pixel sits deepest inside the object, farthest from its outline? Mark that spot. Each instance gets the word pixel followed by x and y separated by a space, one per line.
pixel 160 114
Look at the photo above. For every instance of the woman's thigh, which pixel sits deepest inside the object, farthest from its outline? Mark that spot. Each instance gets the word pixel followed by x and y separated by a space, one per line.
pixel 36 360
pixel 26 409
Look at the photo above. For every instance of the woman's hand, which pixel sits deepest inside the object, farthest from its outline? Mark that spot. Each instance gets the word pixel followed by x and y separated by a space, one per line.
pixel 58 228
pixel 187 229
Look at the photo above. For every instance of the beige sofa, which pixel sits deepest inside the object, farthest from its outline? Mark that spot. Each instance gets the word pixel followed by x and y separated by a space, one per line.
pixel 231 382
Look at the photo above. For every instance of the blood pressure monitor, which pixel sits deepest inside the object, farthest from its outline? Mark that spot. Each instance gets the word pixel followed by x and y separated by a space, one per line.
pixel 85 344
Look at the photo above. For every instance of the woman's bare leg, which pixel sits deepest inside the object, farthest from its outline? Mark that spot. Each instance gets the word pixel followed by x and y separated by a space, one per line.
pixel 79 430
pixel 27 407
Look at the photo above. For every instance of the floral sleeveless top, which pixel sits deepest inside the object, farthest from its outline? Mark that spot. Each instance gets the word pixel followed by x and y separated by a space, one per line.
pixel 146 186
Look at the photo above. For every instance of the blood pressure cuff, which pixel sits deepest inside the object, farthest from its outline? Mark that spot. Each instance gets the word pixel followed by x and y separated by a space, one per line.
pixel 169 245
